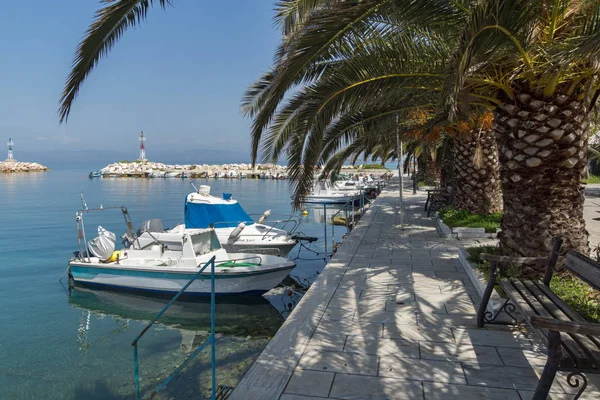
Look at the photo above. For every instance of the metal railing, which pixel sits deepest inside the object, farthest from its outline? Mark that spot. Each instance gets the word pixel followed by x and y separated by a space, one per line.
pixel 210 340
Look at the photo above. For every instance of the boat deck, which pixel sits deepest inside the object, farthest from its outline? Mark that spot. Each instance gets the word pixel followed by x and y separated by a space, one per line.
pixel 392 316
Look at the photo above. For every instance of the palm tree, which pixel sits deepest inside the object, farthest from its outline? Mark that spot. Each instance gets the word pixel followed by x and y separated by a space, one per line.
pixel 352 75
pixel 535 63
pixel 538 62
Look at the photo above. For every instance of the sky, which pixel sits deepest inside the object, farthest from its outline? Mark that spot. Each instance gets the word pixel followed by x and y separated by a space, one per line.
pixel 179 77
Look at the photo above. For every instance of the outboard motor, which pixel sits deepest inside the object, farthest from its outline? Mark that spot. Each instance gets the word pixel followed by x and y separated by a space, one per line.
pixel 264 217
pixel 237 231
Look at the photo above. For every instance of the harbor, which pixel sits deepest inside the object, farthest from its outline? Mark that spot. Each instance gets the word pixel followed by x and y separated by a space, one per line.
pixel 300 200
pixel 90 330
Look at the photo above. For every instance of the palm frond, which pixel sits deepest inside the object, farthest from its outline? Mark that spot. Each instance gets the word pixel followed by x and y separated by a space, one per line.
pixel 110 23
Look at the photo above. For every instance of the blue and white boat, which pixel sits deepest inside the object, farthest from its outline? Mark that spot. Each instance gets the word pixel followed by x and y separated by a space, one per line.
pixel 236 230
pixel 163 262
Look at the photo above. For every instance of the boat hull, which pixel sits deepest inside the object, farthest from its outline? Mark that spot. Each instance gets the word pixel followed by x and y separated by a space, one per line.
pixel 355 200
pixel 161 281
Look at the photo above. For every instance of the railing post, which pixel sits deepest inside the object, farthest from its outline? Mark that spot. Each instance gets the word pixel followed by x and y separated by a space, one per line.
pixel 212 330
pixel 135 368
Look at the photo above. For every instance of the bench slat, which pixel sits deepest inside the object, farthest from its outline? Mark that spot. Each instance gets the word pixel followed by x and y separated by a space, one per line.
pixel 513 293
pixel 575 351
pixel 584 267
pixel 583 341
pixel 586 328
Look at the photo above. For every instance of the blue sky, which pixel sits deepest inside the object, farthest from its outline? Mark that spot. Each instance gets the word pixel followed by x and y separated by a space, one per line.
pixel 179 76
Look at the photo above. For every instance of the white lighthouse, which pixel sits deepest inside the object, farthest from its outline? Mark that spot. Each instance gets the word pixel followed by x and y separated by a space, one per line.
pixel 142 147
pixel 10 150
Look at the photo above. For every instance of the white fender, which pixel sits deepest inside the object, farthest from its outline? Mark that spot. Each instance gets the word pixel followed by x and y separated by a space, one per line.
pixel 236 232
pixel 264 217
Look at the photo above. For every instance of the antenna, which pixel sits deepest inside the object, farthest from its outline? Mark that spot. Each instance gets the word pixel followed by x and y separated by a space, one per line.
pixel 10 145
pixel 192 183
pixel 142 140
pixel 83 203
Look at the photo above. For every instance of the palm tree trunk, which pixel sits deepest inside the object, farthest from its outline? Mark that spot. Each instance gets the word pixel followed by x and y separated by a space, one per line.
pixel 447 172
pixel 542 147
pixel 432 170
pixel 476 167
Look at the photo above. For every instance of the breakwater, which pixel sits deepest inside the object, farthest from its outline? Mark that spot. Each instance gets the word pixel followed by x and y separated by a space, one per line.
pixel 149 169
pixel 10 166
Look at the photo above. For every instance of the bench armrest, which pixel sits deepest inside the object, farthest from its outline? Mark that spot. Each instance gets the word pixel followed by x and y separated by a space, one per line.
pixel 513 260
pixel 583 328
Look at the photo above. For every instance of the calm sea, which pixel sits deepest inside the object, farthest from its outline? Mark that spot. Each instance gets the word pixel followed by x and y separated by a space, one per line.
pixel 61 344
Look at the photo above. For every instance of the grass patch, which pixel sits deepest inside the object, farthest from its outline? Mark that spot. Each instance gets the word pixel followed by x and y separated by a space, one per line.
pixel 463 219
pixel 580 296
pixel 592 179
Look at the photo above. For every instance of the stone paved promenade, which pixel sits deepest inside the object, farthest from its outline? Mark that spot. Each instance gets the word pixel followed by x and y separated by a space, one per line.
pixel 392 316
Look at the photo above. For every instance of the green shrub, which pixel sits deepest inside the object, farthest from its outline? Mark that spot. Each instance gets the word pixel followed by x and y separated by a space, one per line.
pixel 592 179
pixel 578 295
pixel 463 219
pixel 371 166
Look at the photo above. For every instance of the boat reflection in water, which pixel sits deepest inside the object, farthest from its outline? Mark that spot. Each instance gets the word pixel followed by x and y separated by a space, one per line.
pixel 234 316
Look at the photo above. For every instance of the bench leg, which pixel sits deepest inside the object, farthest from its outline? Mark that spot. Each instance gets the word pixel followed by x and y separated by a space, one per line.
pixel 482 310
pixel 554 356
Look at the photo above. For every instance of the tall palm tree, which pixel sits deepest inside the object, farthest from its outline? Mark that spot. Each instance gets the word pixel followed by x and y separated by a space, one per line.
pixel 535 63
pixel 397 59
pixel 538 62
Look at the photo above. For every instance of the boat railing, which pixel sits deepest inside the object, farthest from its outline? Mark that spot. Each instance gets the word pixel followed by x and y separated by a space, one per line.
pixel 242 259
pixel 80 225
pixel 295 221
pixel 209 341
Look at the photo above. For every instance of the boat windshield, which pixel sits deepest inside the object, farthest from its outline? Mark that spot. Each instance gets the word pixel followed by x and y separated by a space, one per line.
pixel 221 215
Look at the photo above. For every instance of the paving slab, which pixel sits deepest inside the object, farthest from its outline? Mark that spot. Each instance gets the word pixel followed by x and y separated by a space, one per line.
pixel 336 361
pixel 353 387
pixel 442 391
pixel 422 370
pixel 311 383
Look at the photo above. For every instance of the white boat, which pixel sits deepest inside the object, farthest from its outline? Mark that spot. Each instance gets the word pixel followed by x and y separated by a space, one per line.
pixel 165 262
pixel 236 230
pixel 171 174
pixel 324 193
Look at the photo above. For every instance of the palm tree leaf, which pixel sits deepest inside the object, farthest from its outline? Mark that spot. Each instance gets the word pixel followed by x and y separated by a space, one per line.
pixel 110 23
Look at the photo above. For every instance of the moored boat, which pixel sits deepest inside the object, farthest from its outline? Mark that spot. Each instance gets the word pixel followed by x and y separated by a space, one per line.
pixel 163 262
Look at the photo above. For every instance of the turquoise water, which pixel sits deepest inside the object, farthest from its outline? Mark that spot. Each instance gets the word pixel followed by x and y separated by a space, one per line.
pixel 60 345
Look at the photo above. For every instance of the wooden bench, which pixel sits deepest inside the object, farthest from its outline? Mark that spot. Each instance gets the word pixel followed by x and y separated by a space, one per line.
pixel 437 198
pixel 573 344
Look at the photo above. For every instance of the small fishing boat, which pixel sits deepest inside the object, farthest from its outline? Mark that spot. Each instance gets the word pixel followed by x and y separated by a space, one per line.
pixel 236 230
pixel 324 193
pixel 172 175
pixel 163 262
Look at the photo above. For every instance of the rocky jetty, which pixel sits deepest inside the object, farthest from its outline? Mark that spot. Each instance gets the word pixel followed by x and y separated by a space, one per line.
pixel 145 167
pixel 9 166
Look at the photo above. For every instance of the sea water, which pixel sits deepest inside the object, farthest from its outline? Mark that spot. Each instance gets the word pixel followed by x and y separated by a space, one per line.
pixel 57 343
